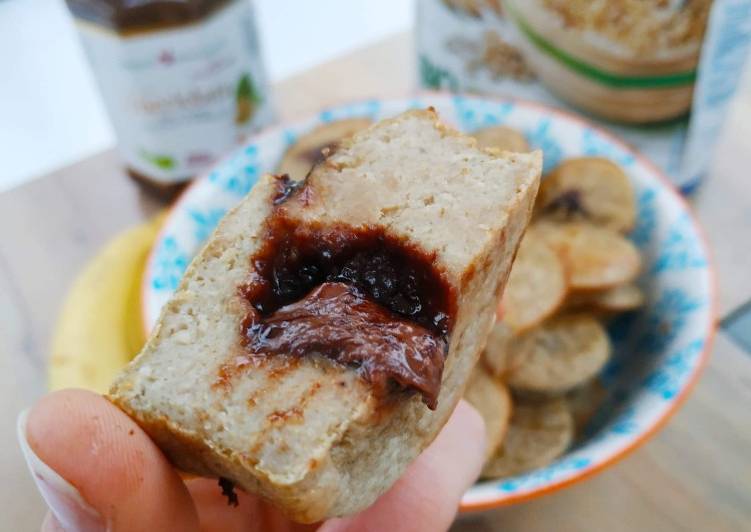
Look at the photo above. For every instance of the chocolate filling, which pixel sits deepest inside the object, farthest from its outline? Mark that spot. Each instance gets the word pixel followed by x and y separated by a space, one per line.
pixel 356 295
pixel 337 321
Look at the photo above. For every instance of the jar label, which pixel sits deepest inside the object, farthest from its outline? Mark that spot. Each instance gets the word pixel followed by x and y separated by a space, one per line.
pixel 180 98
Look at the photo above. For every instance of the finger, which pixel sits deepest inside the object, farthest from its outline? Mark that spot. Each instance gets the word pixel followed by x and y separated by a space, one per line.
pixel 51 524
pixel 250 515
pixel 427 496
pixel 98 470
pixel 214 512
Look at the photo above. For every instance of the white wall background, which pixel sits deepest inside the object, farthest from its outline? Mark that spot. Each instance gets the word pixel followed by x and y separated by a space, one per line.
pixel 50 110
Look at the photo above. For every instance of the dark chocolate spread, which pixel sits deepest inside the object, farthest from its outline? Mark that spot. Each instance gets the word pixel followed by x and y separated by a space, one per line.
pixel 337 321
pixel 352 294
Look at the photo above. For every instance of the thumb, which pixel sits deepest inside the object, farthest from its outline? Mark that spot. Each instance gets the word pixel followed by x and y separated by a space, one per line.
pixel 97 470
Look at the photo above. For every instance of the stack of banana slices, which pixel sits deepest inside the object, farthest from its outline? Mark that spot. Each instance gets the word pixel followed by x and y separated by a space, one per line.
pixel 536 384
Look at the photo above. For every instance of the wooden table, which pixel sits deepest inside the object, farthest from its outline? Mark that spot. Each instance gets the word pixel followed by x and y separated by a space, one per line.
pixel 695 475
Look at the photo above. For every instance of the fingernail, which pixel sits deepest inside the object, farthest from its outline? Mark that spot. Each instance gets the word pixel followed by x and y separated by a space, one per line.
pixel 70 509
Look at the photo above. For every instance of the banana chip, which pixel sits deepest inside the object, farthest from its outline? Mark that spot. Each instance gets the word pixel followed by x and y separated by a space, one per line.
pixel 502 138
pixel 536 286
pixel 583 401
pixel 595 258
pixel 307 151
pixel 566 351
pixel 504 350
pixel 537 434
pixel 492 400
pixel 591 189
pixel 621 298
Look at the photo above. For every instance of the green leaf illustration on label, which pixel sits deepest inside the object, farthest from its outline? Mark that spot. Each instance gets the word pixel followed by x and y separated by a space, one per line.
pixel 435 77
pixel 165 162
pixel 247 99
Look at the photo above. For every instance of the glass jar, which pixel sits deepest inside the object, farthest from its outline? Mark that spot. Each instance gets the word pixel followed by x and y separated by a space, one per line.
pixel 182 80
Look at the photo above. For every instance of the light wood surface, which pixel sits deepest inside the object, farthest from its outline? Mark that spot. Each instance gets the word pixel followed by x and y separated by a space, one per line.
pixel 694 475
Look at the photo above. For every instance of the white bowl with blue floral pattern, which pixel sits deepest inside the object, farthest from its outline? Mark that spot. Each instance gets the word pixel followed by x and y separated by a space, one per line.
pixel 658 351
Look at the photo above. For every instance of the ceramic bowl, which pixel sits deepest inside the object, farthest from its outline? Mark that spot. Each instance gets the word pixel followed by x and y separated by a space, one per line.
pixel 658 351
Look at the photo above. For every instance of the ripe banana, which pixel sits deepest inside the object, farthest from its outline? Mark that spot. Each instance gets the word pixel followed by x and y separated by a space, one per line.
pixel 99 329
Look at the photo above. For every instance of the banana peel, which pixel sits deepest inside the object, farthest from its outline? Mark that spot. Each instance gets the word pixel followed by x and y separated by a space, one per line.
pixel 100 329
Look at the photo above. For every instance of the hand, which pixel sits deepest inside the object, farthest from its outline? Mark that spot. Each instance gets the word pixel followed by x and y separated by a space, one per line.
pixel 97 470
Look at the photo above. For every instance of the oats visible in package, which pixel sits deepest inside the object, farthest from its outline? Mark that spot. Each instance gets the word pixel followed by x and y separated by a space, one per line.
pixel 659 73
